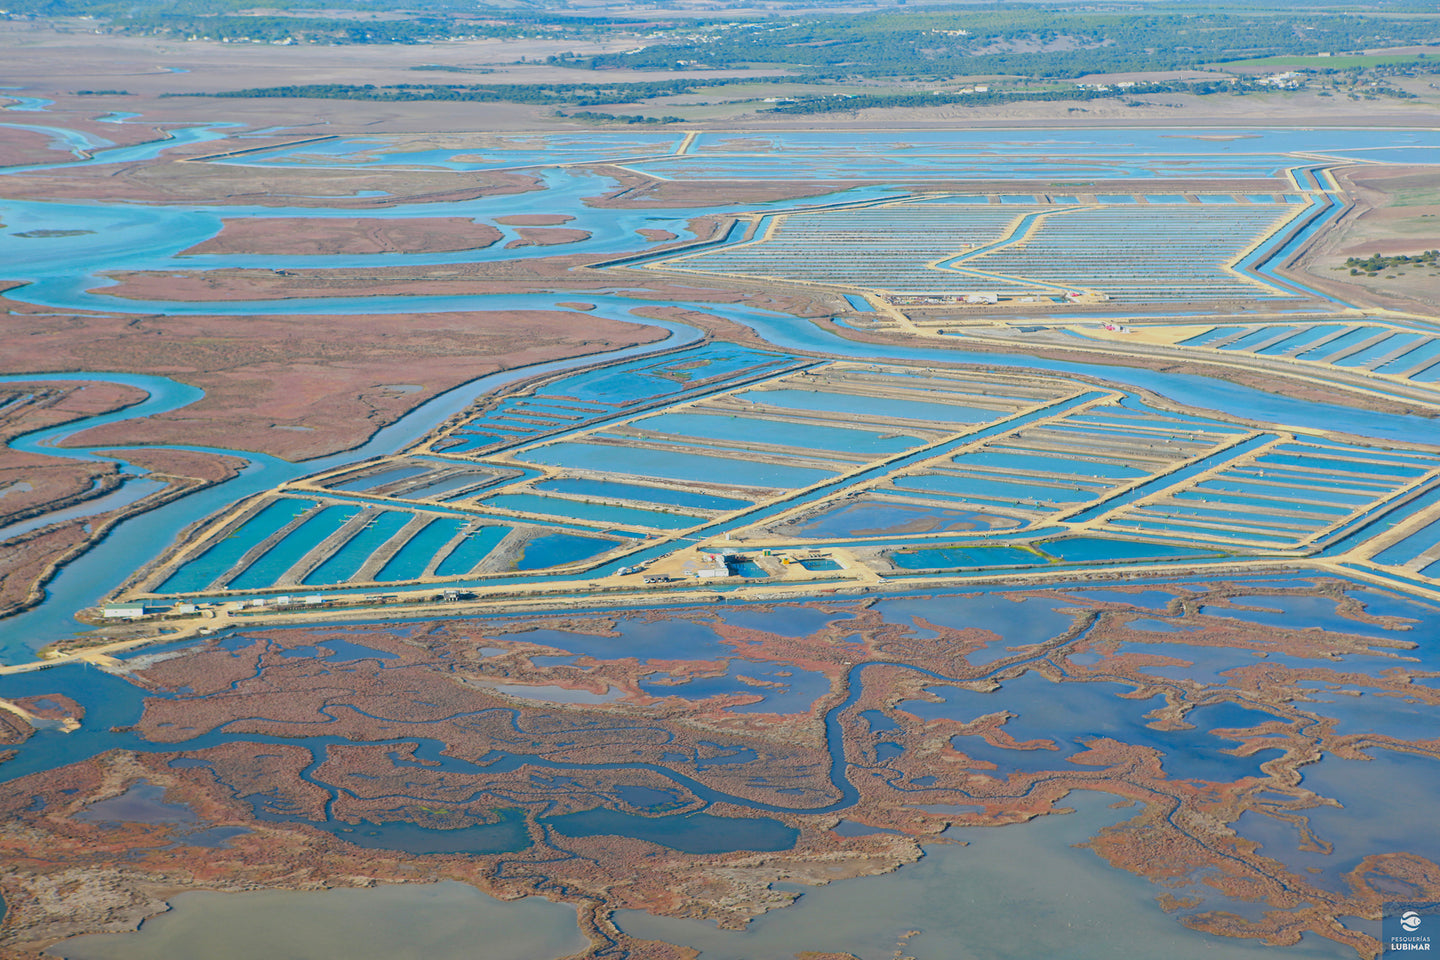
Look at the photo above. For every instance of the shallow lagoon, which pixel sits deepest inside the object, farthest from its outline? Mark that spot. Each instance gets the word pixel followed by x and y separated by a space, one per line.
pixel 1013 893
pixel 441 921
pixel 1388 807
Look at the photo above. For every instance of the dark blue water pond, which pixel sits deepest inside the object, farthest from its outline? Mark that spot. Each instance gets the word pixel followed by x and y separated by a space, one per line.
pixel 555 549
pixel 1018 622
pixel 1068 714
pixel 748 569
pixel 341 651
pixel 787 620
pixel 641 639
pixel 1295 612
pixel 691 833
pixel 507 835
pixel 785 689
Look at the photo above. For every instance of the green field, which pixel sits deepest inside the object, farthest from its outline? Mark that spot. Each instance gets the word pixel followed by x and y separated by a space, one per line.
pixel 1348 62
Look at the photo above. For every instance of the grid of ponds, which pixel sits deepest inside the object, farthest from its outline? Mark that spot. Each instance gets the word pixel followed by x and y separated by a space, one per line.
pixel 1373 347
pixel 1144 252
pixel 883 247
pixel 1419 552
pixel 586 398
pixel 1167 249
pixel 309 543
pixel 1082 458
pixel 698 439
pixel 1284 496
pixel 762 442
pixel 414 479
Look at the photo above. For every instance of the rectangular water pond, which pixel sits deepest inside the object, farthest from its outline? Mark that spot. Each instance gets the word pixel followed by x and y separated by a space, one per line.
pixel 610 490
pixel 557 549
pixel 673 465
pixel 937 557
pixel 581 510
pixel 204 569
pixel 273 563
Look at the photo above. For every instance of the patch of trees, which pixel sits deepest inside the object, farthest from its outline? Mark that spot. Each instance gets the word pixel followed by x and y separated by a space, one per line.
pixel 848 102
pixel 1376 262
pixel 620 117
pixel 575 94
pixel 1026 42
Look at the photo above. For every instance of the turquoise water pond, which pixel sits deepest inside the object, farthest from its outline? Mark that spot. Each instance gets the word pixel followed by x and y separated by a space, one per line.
pixel 411 560
pixel 555 549
pixel 206 568
pixel 347 561
pixel 470 551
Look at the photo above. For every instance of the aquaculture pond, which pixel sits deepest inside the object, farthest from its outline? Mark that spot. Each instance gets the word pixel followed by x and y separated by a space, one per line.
pixel 411 560
pixel 584 510
pixel 821 401
pixel 555 549
pixel 953 557
pixel 751 430
pixel 346 562
pixel 210 565
pixel 473 548
pixel 607 489
pixel 878 518
pixel 673 465
pixel 274 562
